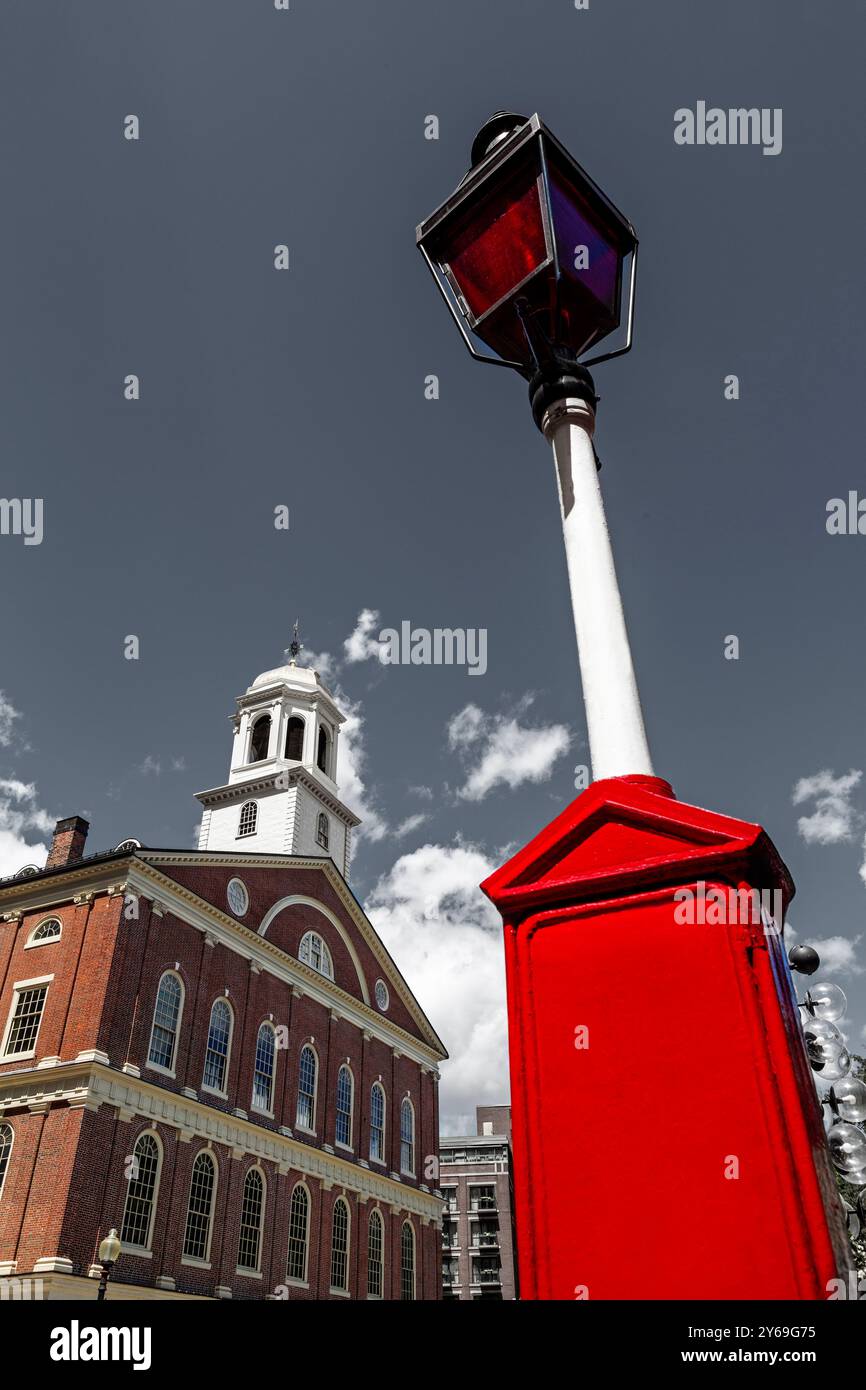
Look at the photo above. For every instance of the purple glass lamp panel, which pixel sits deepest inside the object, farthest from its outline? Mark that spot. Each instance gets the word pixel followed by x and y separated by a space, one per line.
pixel 573 231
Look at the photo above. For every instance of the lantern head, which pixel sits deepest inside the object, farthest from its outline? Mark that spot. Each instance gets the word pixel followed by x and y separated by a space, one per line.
pixel 528 252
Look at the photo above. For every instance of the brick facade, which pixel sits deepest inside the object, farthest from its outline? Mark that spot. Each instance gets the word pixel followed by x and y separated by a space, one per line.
pixel 81 1104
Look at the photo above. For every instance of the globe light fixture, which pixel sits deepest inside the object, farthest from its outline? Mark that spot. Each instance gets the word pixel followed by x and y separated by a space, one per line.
pixel 109 1253
pixel 848 1148
pixel 847 1099
pixel 827 1001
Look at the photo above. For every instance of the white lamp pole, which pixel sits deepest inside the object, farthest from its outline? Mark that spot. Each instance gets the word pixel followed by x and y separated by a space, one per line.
pixel 617 739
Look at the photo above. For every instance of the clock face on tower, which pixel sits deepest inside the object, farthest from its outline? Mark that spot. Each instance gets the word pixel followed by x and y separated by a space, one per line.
pixel 238 897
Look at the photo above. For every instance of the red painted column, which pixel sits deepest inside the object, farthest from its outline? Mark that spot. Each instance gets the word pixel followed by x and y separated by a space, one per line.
pixel 668 1142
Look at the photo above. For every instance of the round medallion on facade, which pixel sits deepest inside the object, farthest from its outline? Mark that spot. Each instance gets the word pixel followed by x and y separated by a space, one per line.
pixel 382 996
pixel 238 897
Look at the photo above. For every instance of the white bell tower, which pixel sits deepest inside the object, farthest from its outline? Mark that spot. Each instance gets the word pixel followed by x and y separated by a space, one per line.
pixel 281 796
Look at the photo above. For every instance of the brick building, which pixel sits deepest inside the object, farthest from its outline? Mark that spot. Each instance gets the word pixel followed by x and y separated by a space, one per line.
pixel 479 1247
pixel 213 1052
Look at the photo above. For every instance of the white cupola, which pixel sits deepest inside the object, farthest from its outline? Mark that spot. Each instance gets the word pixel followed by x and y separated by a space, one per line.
pixel 281 796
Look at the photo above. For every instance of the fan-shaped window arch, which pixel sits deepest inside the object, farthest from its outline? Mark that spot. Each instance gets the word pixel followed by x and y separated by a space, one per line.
pixel 252 1211
pixel 196 1241
pixel 407 1261
pixel 263 1072
pixel 299 1228
pixel 340 1246
pixel 248 819
pixel 219 1041
pixel 141 1192
pixel 345 1093
pixel 377 1122
pixel 323 830
pixel 49 930
pixel 260 739
pixel 295 739
pixel 314 951
pixel 7 1139
pixel 375 1256
pixel 307 1073
pixel 407 1136
pixel 166 1023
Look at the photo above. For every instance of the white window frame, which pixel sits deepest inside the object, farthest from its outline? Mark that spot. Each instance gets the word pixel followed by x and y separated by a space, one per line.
pixel 407 1100
pixel 376 1297
pixel 30 943
pixel 212 1090
pixel 194 1260
pixel 157 1066
pixel 4 1124
pixel 254 1105
pixel 407 1225
pixel 334 1288
pixel 340 1143
pixel 383 1159
pixel 244 1271
pixel 18 989
pixel 145 1251
pixel 298 1125
pixel 246 834
pixel 325 951
pixel 303 1283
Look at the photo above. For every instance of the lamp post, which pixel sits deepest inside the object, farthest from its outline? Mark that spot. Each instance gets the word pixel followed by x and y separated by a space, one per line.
pixel 605 910
pixel 109 1251
pixel 529 255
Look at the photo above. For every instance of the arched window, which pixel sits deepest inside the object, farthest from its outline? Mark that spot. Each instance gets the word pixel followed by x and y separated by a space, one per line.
pixel 299 1225
pixel 407 1137
pixel 261 737
pixel 323 835
pixel 141 1192
pixel 196 1241
pixel 49 930
pixel 345 1089
pixel 166 1023
pixel 375 1262
pixel 249 819
pixel 295 739
pixel 340 1246
pixel 306 1116
pixel 313 951
pixel 377 1122
pixel 252 1208
pixel 263 1073
pixel 323 750
pixel 7 1136
pixel 216 1057
pixel 407 1262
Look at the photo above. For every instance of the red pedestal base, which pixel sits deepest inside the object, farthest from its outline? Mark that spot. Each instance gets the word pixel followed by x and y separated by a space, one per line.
pixel 668 1143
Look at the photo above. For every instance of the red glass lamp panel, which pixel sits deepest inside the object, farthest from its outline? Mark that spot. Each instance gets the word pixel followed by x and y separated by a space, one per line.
pixel 499 245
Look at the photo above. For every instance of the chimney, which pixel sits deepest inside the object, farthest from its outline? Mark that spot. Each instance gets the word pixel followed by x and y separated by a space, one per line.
pixel 68 843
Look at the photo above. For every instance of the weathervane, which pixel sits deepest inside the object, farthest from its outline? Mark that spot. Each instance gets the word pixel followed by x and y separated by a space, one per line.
pixel 295 645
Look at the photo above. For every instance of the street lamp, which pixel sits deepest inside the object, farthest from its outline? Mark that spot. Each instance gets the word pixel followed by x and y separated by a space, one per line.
pixel 109 1250
pixel 530 256
pixel 604 910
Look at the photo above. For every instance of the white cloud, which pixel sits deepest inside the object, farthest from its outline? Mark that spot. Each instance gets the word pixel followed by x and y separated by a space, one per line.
pixel 8 715
pixel 361 645
pixel 423 793
pixel 838 955
pixel 150 765
pixel 447 940
pixel 834 819
pixel 20 814
pixel 504 751
pixel 409 824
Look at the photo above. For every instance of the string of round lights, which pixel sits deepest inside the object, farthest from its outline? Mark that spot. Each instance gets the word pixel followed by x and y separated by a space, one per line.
pixel 821 1009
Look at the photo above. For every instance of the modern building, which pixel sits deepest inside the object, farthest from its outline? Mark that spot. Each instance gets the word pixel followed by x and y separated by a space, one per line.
pixel 212 1051
pixel 479 1248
